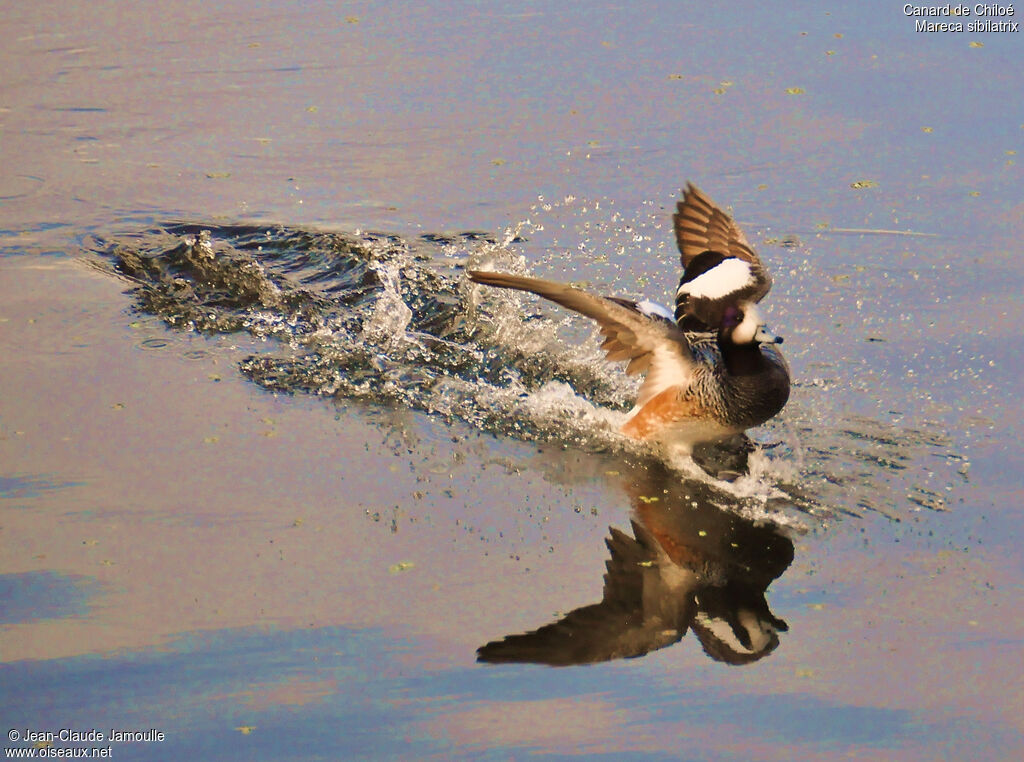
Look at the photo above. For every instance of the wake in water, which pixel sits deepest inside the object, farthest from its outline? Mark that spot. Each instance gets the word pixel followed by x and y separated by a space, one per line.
pixel 395 321
pixel 379 318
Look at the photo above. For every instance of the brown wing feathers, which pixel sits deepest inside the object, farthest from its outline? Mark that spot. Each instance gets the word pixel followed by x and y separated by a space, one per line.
pixel 629 336
pixel 701 226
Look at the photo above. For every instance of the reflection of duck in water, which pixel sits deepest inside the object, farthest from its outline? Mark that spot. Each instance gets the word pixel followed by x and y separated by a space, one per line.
pixel 711 369
pixel 690 564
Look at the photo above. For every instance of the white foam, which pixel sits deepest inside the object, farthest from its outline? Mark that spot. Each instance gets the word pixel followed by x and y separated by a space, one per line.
pixel 557 404
pixel 749 495
pixel 391 315
pixel 724 278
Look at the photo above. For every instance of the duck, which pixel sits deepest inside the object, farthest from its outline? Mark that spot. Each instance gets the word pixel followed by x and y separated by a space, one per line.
pixel 711 368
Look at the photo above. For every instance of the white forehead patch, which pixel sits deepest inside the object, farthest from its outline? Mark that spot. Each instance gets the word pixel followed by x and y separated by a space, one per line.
pixel 727 276
pixel 744 333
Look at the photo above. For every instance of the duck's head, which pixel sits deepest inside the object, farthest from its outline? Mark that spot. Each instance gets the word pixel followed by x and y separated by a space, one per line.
pixel 720 292
pixel 738 634
pixel 741 324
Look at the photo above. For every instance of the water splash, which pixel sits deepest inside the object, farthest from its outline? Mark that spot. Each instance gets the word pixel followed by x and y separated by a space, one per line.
pixel 394 321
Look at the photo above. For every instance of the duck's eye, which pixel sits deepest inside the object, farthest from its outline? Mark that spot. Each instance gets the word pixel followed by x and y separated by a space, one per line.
pixel 733 316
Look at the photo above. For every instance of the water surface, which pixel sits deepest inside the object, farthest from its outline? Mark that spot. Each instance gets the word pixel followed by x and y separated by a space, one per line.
pixel 269 487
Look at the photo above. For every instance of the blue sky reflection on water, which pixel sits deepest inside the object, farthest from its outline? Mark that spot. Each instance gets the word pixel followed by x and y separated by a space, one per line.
pixel 43 595
pixel 335 693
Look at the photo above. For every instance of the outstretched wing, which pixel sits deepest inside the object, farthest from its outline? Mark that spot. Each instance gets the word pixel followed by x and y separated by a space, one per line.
pixel 650 345
pixel 702 227
pixel 642 609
